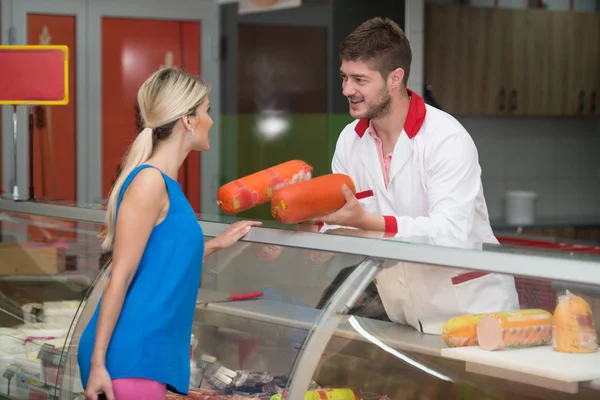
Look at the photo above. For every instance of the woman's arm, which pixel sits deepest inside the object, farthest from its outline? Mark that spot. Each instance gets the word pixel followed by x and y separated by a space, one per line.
pixel 138 215
pixel 211 247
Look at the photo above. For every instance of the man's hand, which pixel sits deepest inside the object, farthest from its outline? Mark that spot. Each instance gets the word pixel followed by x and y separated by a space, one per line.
pixel 351 214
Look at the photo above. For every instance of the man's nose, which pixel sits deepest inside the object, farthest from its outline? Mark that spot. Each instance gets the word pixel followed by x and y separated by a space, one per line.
pixel 348 89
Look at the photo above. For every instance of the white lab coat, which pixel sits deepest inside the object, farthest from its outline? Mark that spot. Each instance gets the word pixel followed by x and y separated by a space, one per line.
pixel 434 193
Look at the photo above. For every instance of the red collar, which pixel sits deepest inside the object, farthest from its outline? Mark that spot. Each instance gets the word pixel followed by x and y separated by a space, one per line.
pixel 414 118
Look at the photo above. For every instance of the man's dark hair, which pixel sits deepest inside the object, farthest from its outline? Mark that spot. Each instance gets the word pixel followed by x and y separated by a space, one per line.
pixel 379 41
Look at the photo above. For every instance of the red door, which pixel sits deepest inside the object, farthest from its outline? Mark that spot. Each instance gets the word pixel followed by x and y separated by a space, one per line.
pixel 54 135
pixel 132 49
pixel 54 146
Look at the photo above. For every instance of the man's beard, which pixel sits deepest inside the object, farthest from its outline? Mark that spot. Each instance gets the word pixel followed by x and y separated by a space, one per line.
pixel 379 109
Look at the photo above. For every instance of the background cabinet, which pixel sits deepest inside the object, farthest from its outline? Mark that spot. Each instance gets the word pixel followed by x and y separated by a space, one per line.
pixel 491 61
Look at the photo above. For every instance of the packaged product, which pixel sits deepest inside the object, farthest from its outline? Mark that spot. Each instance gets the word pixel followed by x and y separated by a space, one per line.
pixel 573 329
pixel 258 188
pixel 514 329
pixel 310 199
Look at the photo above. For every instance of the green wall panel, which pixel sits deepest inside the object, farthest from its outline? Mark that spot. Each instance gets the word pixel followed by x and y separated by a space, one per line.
pixel 311 137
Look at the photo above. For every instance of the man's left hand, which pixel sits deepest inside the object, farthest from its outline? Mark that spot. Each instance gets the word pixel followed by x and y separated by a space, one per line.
pixel 349 215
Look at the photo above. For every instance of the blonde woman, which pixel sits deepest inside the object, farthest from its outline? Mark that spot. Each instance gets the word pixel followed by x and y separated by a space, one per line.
pixel 136 345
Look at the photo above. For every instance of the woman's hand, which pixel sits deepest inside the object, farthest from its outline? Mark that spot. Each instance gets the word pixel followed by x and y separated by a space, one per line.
pixel 230 236
pixel 99 382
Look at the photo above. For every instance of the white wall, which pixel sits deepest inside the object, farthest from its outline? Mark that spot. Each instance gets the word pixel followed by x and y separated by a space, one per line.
pixel 559 158
pixel 415 28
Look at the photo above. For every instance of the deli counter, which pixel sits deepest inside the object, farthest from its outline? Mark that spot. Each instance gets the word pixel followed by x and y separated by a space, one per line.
pixel 315 328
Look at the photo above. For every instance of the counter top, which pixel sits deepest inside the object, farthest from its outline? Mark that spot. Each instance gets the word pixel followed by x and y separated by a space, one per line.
pixel 549 222
pixel 539 366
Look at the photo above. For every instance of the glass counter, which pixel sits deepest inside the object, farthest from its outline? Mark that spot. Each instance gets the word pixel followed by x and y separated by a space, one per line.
pixel 319 327
pixel 47 266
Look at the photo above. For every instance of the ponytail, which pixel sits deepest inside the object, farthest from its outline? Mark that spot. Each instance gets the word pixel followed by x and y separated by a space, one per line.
pixel 139 152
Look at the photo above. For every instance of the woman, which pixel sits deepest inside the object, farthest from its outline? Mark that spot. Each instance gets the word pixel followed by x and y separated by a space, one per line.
pixel 136 345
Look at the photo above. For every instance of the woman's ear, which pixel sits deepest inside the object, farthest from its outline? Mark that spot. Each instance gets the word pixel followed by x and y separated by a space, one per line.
pixel 187 122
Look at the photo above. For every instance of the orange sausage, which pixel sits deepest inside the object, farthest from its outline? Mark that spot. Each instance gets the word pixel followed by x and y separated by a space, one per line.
pixel 258 188
pixel 310 199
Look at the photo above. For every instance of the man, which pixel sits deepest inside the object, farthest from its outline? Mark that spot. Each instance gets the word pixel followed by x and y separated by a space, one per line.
pixel 417 175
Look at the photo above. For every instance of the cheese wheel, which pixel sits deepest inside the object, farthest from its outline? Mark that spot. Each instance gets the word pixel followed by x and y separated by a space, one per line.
pixel 310 199
pixel 258 188
pixel 573 329
pixel 514 329
pixel 461 331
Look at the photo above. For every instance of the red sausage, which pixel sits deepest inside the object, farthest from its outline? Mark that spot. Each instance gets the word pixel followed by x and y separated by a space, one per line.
pixel 310 199
pixel 258 188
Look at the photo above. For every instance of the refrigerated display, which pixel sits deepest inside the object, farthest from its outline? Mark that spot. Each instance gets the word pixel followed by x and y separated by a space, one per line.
pixel 47 266
pixel 313 325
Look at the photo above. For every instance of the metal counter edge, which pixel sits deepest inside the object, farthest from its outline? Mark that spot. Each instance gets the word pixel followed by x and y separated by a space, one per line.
pixel 528 265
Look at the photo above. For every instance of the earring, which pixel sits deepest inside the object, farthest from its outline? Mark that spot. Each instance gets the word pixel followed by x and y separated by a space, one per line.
pixel 192 135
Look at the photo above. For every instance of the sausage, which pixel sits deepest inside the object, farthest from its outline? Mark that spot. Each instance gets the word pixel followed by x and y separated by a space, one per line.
pixel 461 331
pixel 310 199
pixel 258 188
pixel 514 329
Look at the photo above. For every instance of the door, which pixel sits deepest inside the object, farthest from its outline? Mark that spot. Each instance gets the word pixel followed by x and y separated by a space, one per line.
pixel 68 160
pixel 583 68
pixel 1 138
pixel 133 49
pixel 54 148
pixel 57 129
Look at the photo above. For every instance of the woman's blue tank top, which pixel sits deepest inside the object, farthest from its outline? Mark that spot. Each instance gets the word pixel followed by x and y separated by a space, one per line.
pixel 151 339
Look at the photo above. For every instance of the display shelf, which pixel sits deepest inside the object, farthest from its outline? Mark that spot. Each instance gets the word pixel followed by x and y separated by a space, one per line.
pixel 576 268
pixel 83 279
pixel 41 295
pixel 286 334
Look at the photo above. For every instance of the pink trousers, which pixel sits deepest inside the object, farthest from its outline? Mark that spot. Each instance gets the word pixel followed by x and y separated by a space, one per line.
pixel 136 388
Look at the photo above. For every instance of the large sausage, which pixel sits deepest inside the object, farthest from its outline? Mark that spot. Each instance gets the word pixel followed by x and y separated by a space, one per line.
pixel 461 331
pixel 523 328
pixel 310 199
pixel 258 188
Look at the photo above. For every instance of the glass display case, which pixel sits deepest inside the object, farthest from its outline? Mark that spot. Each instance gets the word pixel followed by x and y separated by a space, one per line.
pixel 317 329
pixel 47 266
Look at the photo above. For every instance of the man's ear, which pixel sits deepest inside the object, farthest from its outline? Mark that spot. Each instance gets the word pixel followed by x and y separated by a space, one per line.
pixel 396 78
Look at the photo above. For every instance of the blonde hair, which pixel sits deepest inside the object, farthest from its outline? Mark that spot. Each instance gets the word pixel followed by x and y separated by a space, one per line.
pixel 168 95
